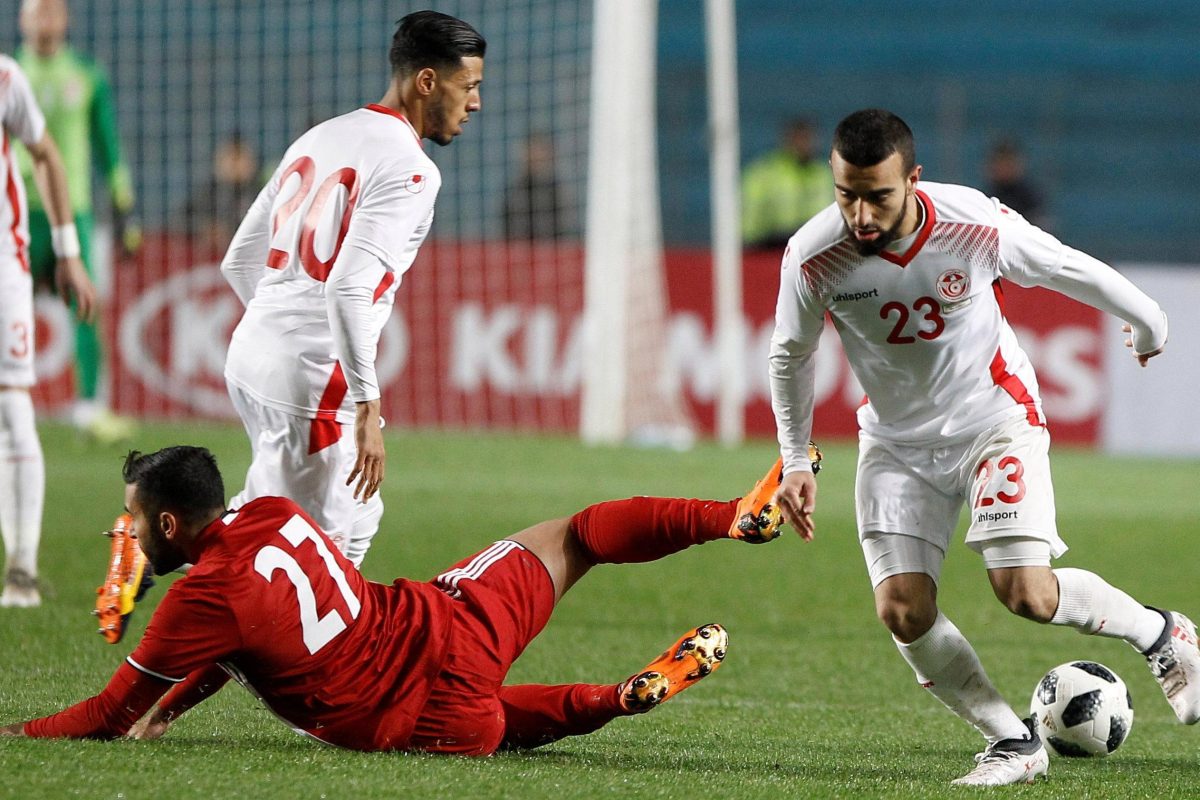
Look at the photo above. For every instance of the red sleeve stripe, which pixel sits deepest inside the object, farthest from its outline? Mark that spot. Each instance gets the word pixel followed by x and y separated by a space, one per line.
pixel 1016 389
pixel 151 672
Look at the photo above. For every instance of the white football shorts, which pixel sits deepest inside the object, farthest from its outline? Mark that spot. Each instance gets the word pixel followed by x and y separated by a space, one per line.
pixel 16 324
pixel 1003 476
pixel 282 466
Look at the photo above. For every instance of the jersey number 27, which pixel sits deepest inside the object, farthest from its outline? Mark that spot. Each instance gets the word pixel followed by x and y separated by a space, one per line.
pixel 318 631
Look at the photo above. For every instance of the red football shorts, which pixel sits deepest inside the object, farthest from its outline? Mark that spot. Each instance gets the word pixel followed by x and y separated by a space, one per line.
pixel 505 597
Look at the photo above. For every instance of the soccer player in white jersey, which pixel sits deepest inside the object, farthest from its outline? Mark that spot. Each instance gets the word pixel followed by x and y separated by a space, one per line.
pixel 22 470
pixel 909 273
pixel 317 261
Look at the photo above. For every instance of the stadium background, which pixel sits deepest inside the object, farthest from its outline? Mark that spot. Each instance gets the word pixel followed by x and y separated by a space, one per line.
pixel 1103 96
pixel 813 701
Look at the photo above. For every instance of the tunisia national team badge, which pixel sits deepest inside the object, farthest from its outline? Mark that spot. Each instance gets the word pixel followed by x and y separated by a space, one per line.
pixel 953 285
pixel 415 183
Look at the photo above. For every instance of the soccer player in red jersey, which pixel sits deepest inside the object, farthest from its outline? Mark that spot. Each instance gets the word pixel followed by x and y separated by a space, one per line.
pixel 412 665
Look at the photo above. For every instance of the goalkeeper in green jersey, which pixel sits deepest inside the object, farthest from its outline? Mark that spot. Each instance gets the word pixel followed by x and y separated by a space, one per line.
pixel 78 105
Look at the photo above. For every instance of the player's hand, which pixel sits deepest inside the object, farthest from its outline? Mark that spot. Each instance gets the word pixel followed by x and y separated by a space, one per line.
pixel 1142 358
pixel 151 726
pixel 797 499
pixel 16 729
pixel 368 439
pixel 72 282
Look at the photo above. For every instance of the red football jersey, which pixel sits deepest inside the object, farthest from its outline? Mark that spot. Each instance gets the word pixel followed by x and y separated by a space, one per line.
pixel 272 600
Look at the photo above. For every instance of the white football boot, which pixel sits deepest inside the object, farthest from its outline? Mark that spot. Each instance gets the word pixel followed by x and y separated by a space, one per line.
pixel 20 590
pixel 1009 761
pixel 1175 661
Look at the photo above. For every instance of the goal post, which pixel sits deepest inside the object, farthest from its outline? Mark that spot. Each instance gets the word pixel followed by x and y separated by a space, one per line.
pixel 729 331
pixel 624 397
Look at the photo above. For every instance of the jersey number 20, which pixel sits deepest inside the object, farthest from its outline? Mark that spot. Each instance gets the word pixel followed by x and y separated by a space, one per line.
pixel 318 630
pixel 305 168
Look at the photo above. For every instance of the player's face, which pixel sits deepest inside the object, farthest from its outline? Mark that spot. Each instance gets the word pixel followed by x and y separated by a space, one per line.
pixel 877 202
pixel 44 24
pixel 161 552
pixel 456 98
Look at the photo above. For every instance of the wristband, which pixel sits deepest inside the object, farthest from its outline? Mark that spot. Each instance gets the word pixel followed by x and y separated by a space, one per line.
pixel 64 240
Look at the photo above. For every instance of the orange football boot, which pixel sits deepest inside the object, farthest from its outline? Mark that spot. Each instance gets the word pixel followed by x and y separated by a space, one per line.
pixel 758 519
pixel 697 653
pixel 127 581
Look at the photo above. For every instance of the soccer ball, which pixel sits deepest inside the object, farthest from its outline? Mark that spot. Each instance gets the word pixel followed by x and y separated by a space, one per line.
pixel 1082 709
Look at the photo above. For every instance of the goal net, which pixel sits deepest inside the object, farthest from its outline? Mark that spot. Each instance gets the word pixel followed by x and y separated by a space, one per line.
pixel 526 308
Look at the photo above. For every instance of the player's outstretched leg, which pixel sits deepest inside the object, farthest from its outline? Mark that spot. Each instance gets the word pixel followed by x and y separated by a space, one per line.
pixel 535 715
pixel 1166 638
pixel 1175 661
pixel 1009 761
pixel 644 529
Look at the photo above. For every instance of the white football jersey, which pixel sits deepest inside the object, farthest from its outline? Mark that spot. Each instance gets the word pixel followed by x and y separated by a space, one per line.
pixel 922 324
pixel 20 118
pixel 318 258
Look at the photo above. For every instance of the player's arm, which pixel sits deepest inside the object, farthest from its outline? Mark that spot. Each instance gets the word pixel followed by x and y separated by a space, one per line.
pixel 129 694
pixel 70 277
pixel 798 325
pixel 350 297
pixel 106 144
pixel 387 217
pixel 1030 256
pixel 245 261
pixel 198 687
pixel 24 119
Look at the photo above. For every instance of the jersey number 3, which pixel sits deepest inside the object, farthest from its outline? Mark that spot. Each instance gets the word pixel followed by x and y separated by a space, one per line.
pixel 318 630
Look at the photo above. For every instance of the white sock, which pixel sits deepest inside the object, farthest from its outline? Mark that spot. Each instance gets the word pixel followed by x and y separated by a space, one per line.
pixel 22 480
pixel 84 412
pixel 946 665
pixel 1090 605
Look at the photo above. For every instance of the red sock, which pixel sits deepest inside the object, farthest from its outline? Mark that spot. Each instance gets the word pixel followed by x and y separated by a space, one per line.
pixel 535 715
pixel 648 528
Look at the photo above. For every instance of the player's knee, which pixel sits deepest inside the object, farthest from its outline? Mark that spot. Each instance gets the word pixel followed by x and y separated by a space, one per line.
pixel 906 618
pixel 1031 600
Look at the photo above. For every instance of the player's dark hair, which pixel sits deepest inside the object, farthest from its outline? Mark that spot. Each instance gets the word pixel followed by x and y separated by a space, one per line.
pixel 183 479
pixel 869 136
pixel 431 39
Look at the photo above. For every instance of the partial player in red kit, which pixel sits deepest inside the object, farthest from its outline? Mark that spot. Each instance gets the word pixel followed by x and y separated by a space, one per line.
pixel 408 666
pixel 317 262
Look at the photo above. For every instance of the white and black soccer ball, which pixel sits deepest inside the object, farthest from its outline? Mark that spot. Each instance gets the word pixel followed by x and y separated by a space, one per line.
pixel 1082 709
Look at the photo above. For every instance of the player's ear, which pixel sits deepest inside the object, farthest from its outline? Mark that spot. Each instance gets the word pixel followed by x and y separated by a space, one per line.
pixel 914 176
pixel 168 523
pixel 425 81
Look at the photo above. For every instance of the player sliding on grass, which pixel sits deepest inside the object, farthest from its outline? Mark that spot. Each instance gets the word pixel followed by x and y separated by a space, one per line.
pixel 408 666
pixel 910 275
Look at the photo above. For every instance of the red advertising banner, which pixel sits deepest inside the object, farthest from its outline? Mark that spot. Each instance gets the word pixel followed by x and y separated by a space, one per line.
pixel 489 334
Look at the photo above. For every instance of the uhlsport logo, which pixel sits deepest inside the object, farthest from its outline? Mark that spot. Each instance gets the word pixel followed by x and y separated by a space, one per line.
pixel 953 284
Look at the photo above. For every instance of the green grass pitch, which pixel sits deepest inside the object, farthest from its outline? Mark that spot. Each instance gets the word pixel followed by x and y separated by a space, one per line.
pixel 813 700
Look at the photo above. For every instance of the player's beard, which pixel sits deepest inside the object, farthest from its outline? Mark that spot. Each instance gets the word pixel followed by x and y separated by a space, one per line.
pixel 163 556
pixel 879 243
pixel 437 124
